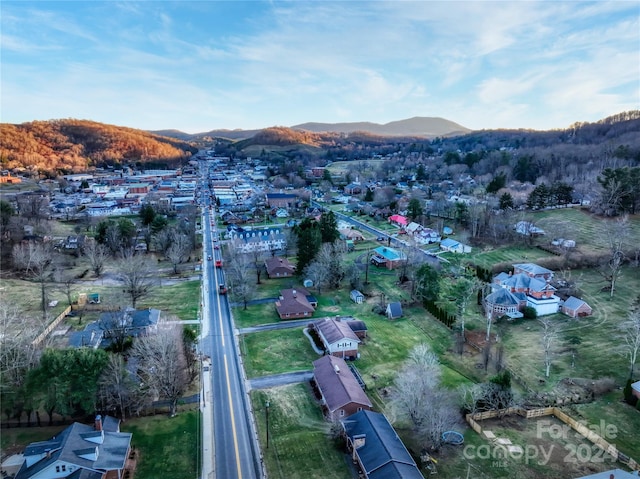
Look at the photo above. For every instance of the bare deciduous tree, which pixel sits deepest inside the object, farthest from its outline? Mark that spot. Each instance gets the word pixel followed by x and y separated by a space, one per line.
pixel 178 251
pixel 616 235
pixel 135 271
pixel 418 396
pixel 36 260
pixel 97 254
pixel 631 329
pixel 120 390
pixel 547 341
pixel 163 364
pixel 239 276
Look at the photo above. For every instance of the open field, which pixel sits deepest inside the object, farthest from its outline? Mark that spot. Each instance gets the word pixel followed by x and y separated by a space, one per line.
pixel 14 440
pixel 299 442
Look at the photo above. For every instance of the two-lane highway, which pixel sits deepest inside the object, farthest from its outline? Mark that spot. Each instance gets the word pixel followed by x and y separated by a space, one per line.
pixel 235 448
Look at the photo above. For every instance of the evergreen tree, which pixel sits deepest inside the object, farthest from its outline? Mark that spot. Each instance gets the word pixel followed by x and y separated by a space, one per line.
pixel 497 183
pixel 506 201
pixel 329 227
pixel 147 214
pixel 368 195
pixel 415 209
pixel 309 239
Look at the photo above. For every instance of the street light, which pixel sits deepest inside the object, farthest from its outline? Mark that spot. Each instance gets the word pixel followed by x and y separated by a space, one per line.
pixel 266 411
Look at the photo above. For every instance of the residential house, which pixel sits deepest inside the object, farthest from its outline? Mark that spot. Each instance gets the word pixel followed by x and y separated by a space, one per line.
pixel 533 270
pixel 281 200
pixel 337 337
pixel 399 220
pixel 295 303
pixel 529 279
pixel 454 246
pixel 427 236
pixel 351 234
pixel 265 239
pixel 79 451
pixel 340 393
pixel 356 296
pixel 394 310
pixel 413 228
pixel 353 189
pixel 119 324
pixel 279 267
pixel 575 307
pixel 388 257
pixel 503 302
pixel 376 448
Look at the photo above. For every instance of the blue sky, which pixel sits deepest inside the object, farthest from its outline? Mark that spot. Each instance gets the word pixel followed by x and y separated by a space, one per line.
pixel 202 65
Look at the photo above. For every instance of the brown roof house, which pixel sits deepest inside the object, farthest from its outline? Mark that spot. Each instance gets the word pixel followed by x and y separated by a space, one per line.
pixel 278 267
pixel 337 337
pixel 338 388
pixel 295 303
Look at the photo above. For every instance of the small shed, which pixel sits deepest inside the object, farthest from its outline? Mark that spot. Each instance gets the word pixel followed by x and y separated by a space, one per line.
pixel 394 310
pixel 576 307
pixel 93 298
pixel 356 296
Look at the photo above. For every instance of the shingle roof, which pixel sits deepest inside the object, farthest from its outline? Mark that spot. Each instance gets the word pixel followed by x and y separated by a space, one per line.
pixel 70 443
pixel 532 268
pixel 294 301
pixel 338 384
pixel 574 303
pixel 334 330
pixel 502 297
pixel 383 454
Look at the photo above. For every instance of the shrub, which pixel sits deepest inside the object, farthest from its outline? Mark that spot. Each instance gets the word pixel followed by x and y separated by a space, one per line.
pixel 529 312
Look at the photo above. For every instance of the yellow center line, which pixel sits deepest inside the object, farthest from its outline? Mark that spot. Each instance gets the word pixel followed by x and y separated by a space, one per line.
pixel 233 422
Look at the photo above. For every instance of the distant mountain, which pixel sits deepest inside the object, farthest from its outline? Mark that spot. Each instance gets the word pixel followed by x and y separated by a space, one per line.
pixel 418 126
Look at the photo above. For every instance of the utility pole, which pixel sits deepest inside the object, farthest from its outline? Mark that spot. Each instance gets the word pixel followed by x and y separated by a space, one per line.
pixel 266 411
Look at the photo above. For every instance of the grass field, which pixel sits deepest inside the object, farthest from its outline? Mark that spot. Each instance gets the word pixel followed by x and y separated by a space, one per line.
pixel 166 447
pixel 299 442
pixel 13 440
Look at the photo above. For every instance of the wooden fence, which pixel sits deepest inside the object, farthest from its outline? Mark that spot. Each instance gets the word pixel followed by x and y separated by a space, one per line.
pixel 51 326
pixel 579 427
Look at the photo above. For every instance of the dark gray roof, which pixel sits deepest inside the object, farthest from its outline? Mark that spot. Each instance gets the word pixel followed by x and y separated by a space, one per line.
pixel 615 473
pixel 395 309
pixel 383 454
pixel 503 297
pixel 73 441
pixel 357 325
pixel 574 303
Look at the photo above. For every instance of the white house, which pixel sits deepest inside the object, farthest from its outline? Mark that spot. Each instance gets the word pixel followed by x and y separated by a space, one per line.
pixel 338 337
pixel 454 246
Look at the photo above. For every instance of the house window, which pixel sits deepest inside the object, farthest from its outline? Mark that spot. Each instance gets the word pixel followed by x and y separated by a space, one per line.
pixel 341 412
pixel 359 409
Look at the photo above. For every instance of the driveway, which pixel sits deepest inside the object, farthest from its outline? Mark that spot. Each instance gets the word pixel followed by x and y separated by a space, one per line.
pixel 296 323
pixel 265 382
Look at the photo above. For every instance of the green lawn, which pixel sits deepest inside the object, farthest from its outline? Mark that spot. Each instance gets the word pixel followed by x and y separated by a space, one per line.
pixel 275 352
pixel 299 442
pixel 167 447
pixel 181 299
pixel 14 440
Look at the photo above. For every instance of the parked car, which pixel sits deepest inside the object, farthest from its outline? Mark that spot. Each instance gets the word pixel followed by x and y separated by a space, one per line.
pixel 222 289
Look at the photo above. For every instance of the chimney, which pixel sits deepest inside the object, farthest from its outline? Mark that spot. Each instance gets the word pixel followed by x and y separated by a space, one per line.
pixel 295 293
pixel 98 423
pixel 336 368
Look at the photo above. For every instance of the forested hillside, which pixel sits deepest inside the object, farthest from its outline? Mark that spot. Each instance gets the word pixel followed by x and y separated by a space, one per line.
pixel 75 145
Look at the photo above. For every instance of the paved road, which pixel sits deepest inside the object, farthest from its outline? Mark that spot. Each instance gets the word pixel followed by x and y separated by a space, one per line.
pixel 280 379
pixel 389 240
pixel 235 449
